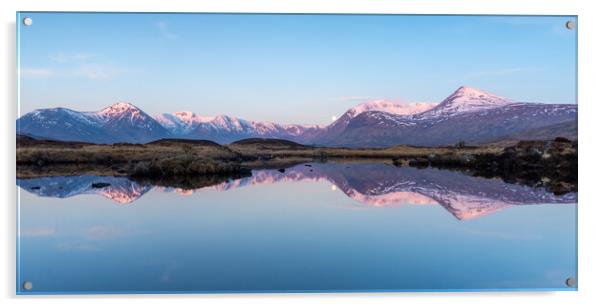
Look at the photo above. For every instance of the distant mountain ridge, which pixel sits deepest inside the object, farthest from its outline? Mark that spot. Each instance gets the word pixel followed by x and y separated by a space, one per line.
pixel 120 122
pixel 468 114
pixel 381 129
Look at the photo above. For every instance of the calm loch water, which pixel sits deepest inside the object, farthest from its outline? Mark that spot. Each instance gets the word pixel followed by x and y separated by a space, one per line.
pixel 323 227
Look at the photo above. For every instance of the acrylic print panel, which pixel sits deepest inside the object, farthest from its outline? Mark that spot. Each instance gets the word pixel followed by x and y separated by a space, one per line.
pixel 171 153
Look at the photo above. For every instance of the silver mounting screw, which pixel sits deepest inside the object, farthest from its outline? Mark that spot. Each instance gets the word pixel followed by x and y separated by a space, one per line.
pixel 569 25
pixel 27 285
pixel 27 21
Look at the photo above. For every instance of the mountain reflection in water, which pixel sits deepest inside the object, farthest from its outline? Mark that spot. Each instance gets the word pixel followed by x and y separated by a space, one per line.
pixel 373 184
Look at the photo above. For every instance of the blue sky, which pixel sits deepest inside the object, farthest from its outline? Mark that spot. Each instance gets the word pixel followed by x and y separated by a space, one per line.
pixel 287 68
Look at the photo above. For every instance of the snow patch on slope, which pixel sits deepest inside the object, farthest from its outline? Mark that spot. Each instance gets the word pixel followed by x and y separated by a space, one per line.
pixel 181 122
pixel 392 107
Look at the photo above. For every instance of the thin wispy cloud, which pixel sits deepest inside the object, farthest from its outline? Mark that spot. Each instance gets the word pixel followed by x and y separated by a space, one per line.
pixel 71 58
pixel 77 246
pixel 70 65
pixel 96 71
pixel 366 99
pixel 37 232
pixel 164 30
pixel 35 72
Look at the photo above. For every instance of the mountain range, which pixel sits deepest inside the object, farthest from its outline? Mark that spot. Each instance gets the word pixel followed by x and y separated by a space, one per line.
pixel 468 114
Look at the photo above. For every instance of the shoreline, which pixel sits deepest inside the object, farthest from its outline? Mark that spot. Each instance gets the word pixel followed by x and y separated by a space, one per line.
pixel 550 164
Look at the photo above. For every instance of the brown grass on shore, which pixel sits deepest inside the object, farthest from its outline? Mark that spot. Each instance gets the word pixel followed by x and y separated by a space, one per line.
pixel 176 157
pixel 114 154
pixel 270 152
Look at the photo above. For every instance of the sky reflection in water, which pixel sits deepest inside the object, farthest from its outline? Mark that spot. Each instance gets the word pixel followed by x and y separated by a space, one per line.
pixel 328 227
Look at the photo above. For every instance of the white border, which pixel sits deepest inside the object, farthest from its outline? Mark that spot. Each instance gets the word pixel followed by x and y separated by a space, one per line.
pixel 589 139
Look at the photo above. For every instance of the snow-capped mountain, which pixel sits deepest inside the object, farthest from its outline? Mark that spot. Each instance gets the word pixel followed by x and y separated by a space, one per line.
pixel 120 122
pixel 181 123
pixel 63 124
pixel 226 129
pixel 332 131
pixel 468 114
pixel 379 129
pixel 466 99
pixel 126 122
pixel 391 107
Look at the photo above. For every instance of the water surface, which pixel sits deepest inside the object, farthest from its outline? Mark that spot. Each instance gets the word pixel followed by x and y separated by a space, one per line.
pixel 315 227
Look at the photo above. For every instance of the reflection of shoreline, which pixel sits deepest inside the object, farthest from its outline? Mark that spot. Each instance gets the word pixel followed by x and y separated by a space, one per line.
pixel 381 185
pixel 373 184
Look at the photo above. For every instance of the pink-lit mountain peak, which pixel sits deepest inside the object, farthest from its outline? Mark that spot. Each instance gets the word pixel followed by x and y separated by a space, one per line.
pixel 191 117
pixel 390 106
pixel 124 117
pixel 466 93
pixel 119 108
pixel 467 99
pixel 181 122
